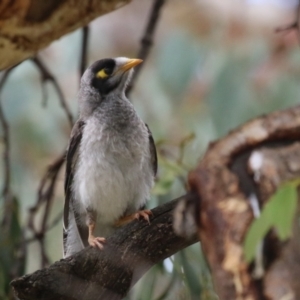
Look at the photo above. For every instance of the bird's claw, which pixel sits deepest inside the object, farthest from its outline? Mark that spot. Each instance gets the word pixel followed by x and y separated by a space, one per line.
pixel 143 214
pixel 136 216
pixel 96 242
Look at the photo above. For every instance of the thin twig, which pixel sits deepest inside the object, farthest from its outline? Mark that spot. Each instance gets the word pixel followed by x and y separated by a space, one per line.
pixel 6 191
pixel 48 194
pixel 84 49
pixel 147 39
pixel 6 142
pixel 293 25
pixel 10 201
pixel 55 221
pixel 47 76
pixel 182 146
pixel 288 27
pixel 45 195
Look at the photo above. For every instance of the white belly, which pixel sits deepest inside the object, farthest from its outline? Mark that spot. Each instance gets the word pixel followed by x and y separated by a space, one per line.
pixel 112 176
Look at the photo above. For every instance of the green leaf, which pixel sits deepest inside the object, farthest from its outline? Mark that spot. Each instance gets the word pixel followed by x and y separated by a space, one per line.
pixel 148 289
pixel 170 170
pixel 10 249
pixel 191 278
pixel 3 282
pixel 164 185
pixel 278 213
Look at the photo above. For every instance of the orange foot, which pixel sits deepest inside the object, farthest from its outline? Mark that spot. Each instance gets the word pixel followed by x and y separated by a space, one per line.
pixel 136 216
pixel 96 241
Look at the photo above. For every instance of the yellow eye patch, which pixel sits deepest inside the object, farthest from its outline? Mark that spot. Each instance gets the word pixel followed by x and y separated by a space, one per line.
pixel 102 74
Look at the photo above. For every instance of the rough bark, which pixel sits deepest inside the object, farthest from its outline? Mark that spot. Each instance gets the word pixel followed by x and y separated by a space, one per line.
pixel 27 26
pixel 110 273
pixel 281 276
pixel 224 180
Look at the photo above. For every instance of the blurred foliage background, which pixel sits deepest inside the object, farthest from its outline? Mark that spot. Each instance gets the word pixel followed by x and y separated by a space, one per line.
pixel 213 65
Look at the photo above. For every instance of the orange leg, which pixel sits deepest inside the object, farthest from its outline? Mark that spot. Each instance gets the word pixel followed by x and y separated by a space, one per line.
pixel 92 240
pixel 136 216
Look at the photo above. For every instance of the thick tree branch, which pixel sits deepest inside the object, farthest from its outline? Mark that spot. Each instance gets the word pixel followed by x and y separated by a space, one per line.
pixel 281 262
pixel 225 180
pixel 29 26
pixel 108 274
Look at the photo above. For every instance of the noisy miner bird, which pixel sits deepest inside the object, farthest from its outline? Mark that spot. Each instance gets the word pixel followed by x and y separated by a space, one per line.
pixel 111 158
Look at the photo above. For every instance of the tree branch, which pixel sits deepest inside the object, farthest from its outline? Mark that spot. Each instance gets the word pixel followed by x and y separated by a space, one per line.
pixel 45 195
pixel 6 191
pixel 225 182
pixel 47 76
pixel 110 273
pixel 147 40
pixel 84 49
pixel 6 142
pixel 29 26
pixel 281 259
pixel 293 25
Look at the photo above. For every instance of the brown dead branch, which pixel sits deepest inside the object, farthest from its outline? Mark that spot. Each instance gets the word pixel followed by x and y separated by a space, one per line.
pixel 29 26
pixel 225 179
pixel 282 271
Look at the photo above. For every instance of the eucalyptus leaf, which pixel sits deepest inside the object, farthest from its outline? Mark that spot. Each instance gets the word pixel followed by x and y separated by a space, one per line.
pixel 3 282
pixel 164 185
pixel 192 279
pixel 278 213
pixel 170 171
pixel 10 242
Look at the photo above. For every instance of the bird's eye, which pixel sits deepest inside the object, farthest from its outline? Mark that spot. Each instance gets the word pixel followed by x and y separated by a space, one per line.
pixel 105 72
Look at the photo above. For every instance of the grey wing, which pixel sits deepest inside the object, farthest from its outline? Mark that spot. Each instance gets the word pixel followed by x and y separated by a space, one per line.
pixel 152 152
pixel 71 160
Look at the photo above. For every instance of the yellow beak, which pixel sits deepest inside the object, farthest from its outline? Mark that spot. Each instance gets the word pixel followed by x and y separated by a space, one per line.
pixel 130 64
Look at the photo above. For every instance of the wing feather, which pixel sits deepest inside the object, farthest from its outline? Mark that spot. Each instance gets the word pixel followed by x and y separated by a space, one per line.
pixel 152 152
pixel 71 161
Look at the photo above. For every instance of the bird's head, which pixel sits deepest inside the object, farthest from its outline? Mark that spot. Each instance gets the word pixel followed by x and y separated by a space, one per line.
pixel 109 75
